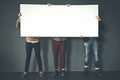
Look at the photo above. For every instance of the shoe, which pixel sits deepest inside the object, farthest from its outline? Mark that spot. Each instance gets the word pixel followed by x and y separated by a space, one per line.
pixel 63 73
pixel 41 74
pixel 55 73
pixel 24 75
pixel 85 72
pixel 98 72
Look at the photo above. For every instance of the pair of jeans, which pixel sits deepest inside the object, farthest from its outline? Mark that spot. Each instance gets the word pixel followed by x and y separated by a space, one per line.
pixel 59 46
pixel 36 47
pixel 91 43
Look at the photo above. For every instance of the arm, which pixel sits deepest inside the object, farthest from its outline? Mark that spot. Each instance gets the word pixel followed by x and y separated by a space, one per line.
pixel 18 20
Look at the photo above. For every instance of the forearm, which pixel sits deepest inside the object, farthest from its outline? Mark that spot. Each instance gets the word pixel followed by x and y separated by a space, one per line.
pixel 18 23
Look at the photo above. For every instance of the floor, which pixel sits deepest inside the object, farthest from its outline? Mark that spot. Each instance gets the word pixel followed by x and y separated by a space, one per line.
pixel 110 75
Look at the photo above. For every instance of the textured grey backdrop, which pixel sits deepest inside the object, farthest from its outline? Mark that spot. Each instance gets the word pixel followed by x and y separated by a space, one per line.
pixel 12 46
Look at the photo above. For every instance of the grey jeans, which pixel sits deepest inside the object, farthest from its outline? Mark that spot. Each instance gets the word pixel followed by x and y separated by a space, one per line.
pixel 91 44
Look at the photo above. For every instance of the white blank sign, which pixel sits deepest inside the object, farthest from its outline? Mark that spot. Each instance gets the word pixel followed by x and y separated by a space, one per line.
pixel 59 20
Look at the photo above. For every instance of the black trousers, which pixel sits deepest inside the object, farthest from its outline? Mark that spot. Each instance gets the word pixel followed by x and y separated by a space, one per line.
pixel 29 47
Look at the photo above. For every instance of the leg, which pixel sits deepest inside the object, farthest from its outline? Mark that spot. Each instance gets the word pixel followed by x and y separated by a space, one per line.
pixel 87 51
pixel 95 50
pixel 96 57
pixel 87 46
pixel 38 57
pixel 55 46
pixel 62 56
pixel 37 54
pixel 28 56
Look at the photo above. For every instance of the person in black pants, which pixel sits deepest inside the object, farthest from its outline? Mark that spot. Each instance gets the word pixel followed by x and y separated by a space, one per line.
pixel 31 42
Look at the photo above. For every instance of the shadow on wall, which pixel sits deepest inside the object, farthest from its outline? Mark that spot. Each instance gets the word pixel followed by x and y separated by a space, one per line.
pixel 44 45
pixel 68 53
pixel 102 31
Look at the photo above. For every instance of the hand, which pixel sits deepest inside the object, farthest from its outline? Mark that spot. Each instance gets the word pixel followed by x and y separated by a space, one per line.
pixel 17 23
pixel 49 4
pixel 98 18
pixel 19 14
pixel 81 36
pixel 68 5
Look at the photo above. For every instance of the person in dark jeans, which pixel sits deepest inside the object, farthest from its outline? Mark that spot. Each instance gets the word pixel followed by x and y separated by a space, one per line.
pixel 59 45
pixel 91 43
pixel 36 46
pixel 31 43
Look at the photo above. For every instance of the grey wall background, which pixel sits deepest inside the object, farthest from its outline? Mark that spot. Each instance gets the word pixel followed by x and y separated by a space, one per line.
pixel 12 46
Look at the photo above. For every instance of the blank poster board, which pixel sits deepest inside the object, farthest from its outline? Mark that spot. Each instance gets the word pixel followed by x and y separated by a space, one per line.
pixel 59 20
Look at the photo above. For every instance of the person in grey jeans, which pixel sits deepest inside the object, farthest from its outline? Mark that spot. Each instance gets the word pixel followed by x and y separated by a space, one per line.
pixel 91 43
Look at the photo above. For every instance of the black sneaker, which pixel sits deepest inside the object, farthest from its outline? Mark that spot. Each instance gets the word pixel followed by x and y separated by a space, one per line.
pixel 55 73
pixel 41 74
pixel 24 75
pixel 63 73
pixel 98 72
pixel 85 72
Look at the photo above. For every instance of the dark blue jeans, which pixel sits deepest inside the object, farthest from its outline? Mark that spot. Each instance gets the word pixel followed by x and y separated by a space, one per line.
pixel 29 47
pixel 92 43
